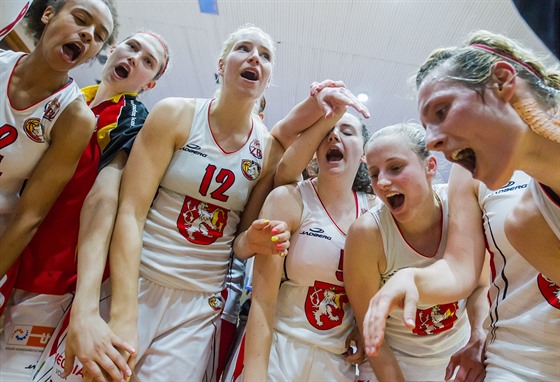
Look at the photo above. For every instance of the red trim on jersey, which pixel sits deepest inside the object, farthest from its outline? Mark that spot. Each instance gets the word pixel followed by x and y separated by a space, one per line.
pixel 70 80
pixel 440 231
pixel 214 138
pixel 327 211
pixel 550 194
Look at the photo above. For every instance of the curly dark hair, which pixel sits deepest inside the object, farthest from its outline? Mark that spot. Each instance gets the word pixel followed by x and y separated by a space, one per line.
pixel 36 27
pixel 362 181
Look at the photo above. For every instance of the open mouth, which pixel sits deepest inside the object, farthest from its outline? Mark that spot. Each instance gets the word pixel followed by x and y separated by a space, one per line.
pixel 395 200
pixel 465 158
pixel 334 155
pixel 250 75
pixel 122 71
pixel 72 51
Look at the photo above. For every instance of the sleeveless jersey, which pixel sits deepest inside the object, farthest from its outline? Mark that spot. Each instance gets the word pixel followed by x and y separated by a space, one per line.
pixel 523 340
pixel 312 305
pixel 440 329
pixel 48 263
pixel 192 222
pixel 24 134
pixel 548 203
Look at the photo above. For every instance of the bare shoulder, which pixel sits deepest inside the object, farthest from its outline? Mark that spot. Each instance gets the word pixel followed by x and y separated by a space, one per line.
pixel 171 117
pixel 77 113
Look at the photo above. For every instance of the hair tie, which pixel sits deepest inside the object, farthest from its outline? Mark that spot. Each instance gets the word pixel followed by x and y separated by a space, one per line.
pixel 508 57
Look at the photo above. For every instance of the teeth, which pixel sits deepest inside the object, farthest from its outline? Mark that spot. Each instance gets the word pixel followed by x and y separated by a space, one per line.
pixel 391 194
pixel 456 155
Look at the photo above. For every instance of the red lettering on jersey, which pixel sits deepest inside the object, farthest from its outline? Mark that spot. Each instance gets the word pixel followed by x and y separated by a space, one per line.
pixel 339 273
pixel 225 177
pixel 8 135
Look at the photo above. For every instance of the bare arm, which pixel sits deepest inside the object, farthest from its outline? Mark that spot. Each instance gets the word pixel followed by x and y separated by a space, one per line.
pixel 256 236
pixel 364 261
pixel 322 101
pixel 533 238
pixel 470 358
pixel 301 151
pixel 89 337
pixel 267 273
pixel 460 267
pixel 164 132
pixel 69 137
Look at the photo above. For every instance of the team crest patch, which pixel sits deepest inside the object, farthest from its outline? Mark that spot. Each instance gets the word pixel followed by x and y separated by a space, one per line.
pixel 34 130
pixel 324 305
pixel 201 223
pixel 51 109
pixel 250 169
pixel 30 336
pixel 435 319
pixel 255 148
pixel 216 302
pixel 549 290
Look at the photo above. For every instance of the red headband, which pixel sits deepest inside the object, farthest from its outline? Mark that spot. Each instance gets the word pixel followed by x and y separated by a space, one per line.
pixel 165 51
pixel 508 57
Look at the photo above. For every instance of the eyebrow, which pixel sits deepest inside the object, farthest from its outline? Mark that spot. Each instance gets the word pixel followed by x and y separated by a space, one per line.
pixel 88 14
pixel 142 46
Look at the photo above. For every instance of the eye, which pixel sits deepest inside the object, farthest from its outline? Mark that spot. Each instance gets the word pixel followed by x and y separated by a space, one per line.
pixel 149 62
pixel 396 169
pixel 266 56
pixel 243 47
pixel 440 113
pixel 79 20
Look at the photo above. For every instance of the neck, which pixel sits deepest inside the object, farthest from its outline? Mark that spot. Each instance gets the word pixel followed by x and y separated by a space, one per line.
pixel 231 115
pixel 102 95
pixel 426 219
pixel 337 192
pixel 32 73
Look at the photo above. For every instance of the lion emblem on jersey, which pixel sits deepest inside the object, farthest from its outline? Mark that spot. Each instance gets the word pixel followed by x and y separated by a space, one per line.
pixel 250 169
pixel 324 305
pixel 549 290
pixel 201 223
pixel 436 319
pixel 34 130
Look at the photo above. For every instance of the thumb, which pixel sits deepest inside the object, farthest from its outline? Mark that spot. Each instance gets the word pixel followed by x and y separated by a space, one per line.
pixel 260 224
pixel 450 368
pixel 409 310
pixel 68 363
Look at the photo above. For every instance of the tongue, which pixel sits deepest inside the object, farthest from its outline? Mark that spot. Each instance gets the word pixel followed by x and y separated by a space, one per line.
pixel 396 201
pixel 68 52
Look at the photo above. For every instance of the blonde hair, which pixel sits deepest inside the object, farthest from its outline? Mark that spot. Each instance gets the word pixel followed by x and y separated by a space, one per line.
pixel 472 65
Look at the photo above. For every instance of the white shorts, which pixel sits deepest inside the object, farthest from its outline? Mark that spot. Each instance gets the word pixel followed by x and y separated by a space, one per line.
pixel 30 321
pixel 292 360
pixel 177 332
pixel 50 365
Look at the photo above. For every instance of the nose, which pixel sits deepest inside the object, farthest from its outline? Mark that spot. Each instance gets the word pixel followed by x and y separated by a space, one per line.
pixel 382 181
pixel 132 59
pixel 86 35
pixel 333 135
pixel 254 57
pixel 434 139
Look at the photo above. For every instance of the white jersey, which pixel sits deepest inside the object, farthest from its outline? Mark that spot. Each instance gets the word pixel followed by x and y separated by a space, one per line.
pixel 192 222
pixel 312 304
pixel 523 339
pixel 548 203
pixel 440 330
pixel 24 133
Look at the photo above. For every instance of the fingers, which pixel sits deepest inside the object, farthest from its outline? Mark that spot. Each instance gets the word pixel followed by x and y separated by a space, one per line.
pixel 316 87
pixel 276 236
pixel 333 98
pixel 374 324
